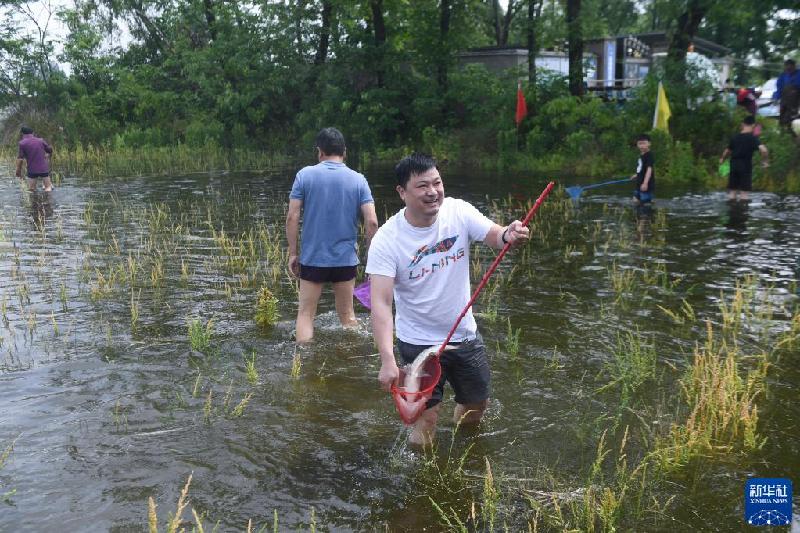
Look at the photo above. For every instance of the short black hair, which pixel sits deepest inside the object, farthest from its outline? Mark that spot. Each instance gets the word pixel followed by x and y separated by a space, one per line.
pixel 413 164
pixel 331 141
pixel 26 130
pixel 749 120
pixel 790 62
pixel 643 137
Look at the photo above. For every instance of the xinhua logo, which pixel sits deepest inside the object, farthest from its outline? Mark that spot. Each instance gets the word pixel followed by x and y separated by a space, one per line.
pixel 768 501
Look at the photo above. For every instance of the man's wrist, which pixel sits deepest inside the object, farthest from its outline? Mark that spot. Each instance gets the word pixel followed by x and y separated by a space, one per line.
pixel 503 235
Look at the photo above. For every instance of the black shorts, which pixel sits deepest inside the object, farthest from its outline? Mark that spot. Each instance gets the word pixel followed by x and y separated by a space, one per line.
pixel 741 176
pixel 327 274
pixel 34 175
pixel 466 369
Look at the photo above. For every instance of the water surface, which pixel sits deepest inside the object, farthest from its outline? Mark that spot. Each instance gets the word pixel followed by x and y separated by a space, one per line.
pixel 106 411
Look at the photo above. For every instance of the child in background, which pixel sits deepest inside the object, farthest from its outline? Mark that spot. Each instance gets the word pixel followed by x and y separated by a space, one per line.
pixel 741 149
pixel 645 172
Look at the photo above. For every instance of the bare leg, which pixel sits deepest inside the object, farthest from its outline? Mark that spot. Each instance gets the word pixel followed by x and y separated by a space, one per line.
pixel 343 295
pixel 307 310
pixel 48 185
pixel 424 430
pixel 469 413
pixel 731 194
pixel 743 195
pixel 32 184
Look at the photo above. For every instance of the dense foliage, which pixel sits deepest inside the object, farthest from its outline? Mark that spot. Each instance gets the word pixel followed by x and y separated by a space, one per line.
pixel 265 75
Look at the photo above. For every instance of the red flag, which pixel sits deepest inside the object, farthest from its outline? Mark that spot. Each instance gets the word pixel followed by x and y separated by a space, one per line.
pixel 522 107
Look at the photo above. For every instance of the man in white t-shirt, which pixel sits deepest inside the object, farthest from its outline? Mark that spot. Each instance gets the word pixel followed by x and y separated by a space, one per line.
pixel 420 256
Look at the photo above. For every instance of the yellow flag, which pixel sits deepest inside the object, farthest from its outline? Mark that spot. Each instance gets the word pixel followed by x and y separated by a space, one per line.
pixel 662 114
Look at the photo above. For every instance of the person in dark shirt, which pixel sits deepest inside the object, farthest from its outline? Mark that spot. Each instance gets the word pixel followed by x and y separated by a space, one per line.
pixel 35 153
pixel 645 172
pixel 741 149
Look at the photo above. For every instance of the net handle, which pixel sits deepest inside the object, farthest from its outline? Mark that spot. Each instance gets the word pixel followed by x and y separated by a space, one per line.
pixel 493 266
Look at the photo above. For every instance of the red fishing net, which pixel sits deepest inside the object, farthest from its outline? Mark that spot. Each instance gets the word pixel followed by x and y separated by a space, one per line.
pixel 410 404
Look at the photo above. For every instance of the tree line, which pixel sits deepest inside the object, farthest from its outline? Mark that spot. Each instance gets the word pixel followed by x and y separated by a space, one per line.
pixel 267 74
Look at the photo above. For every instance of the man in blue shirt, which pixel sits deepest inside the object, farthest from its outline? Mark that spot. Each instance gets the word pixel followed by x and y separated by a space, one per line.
pixel 788 93
pixel 331 198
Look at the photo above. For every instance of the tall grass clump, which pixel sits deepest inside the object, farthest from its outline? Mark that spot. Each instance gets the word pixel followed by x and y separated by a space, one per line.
pixel 633 365
pixel 615 493
pixel 720 399
pixel 200 335
pixel 266 308
pixel 176 523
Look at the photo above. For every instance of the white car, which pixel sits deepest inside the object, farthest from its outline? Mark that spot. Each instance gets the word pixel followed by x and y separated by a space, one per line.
pixel 767 107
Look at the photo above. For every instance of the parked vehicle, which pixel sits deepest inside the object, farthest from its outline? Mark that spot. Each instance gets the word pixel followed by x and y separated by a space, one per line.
pixel 767 107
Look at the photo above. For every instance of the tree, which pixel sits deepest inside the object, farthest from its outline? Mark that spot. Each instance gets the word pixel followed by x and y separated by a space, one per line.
pixel 534 13
pixel 575 44
pixel 687 25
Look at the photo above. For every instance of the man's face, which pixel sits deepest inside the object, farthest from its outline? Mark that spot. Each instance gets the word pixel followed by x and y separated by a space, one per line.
pixel 643 145
pixel 424 193
pixel 789 68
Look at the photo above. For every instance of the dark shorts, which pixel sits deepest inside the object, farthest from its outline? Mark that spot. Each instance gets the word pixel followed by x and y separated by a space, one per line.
pixel 466 369
pixel 741 176
pixel 327 274
pixel 35 175
pixel 644 197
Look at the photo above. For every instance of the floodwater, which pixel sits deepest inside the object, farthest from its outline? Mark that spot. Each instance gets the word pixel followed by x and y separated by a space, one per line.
pixel 107 404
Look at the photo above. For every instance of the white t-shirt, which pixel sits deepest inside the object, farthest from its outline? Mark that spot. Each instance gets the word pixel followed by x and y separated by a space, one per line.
pixel 430 267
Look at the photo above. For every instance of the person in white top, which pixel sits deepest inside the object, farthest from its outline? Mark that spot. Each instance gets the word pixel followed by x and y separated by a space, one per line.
pixel 420 259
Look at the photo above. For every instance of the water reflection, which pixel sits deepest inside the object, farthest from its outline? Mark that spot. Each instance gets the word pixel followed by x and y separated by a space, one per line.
pixel 41 207
pixel 738 215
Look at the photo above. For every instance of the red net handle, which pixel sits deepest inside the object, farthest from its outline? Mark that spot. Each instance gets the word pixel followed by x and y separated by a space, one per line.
pixel 493 266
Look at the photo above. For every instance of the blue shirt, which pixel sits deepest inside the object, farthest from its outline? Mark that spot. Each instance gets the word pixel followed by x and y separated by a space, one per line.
pixel 786 79
pixel 332 196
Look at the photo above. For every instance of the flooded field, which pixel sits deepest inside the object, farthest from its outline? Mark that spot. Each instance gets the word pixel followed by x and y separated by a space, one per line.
pixel 644 365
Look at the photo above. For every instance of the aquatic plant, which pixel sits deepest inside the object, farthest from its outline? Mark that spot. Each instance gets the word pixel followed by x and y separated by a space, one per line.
pixel 239 409
pixel 6 496
pixel 684 315
pixel 134 306
pixel 622 279
pixel 632 365
pixel 720 401
pixel 266 308
pixel 200 335
pixel 251 370
pixel 297 364
pixel 512 341
pixel 609 498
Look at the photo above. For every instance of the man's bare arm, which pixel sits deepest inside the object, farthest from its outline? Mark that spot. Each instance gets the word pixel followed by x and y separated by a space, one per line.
pixel 292 231
pixel 382 293
pixel 515 233
pixel 370 222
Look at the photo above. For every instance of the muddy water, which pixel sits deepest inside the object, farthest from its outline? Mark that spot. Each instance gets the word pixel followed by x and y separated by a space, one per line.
pixel 105 410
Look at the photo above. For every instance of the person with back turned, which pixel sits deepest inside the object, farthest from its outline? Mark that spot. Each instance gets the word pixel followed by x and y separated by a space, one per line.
pixel 740 149
pixel 35 153
pixel 331 198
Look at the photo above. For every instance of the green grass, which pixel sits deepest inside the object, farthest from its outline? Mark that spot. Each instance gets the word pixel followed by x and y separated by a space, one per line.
pixel 200 335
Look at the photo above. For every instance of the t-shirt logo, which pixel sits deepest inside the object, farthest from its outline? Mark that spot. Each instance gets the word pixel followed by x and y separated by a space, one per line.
pixel 442 246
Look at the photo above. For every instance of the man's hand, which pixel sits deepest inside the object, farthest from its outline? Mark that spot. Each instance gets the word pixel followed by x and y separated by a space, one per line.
pixel 388 374
pixel 643 187
pixel 294 266
pixel 765 164
pixel 516 233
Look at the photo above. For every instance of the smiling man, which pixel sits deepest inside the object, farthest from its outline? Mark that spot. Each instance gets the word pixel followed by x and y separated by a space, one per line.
pixel 421 258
